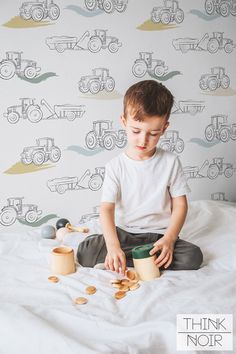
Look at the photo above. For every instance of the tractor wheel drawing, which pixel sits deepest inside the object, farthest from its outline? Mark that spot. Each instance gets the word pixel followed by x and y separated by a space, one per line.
pixel 192 111
pixel 95 87
pixel 109 85
pixel 224 9
pixel 209 133
pixel 121 7
pixel 213 46
pixel 84 89
pixel 233 10
pixel 38 158
pixel 13 117
pixel 228 48
pixel 109 142
pixel 154 17
pixel 159 70
pixel 165 18
pixel 179 147
pixel 108 6
pixel 25 16
pixel 95 182
pixel 212 84
pixel 209 7
pixel 8 216
pixel 224 135
pixel 165 146
pixel 225 82
pixel 54 12
pixel 37 14
pixel 91 140
pixel 31 216
pixel 60 48
pixel 95 44
pixel 228 172
pixel 61 188
pixel 55 154
pixel 34 114
pixel 179 16
pixel 203 85
pixel 7 70
pixel 30 72
pixel 121 143
pixel 139 69
pixel 213 171
pixel 70 116
pixel 113 47
pixel 26 161
pixel 90 4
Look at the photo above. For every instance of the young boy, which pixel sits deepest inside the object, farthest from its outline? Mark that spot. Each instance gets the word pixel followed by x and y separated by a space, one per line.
pixel 144 191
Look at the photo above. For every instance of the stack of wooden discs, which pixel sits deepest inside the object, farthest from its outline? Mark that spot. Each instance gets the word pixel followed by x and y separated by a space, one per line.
pixel 126 284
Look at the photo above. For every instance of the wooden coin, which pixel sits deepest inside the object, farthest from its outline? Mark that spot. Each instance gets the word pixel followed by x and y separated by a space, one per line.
pixel 120 294
pixel 53 279
pixel 134 286
pixel 132 275
pixel 115 281
pixel 81 300
pixel 117 285
pixel 90 290
pixel 124 288
pixel 124 281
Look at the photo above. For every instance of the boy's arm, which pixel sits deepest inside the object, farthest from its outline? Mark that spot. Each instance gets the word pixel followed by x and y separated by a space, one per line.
pixel 115 258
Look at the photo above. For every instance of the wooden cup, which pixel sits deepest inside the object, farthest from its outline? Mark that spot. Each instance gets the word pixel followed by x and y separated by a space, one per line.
pixel 62 260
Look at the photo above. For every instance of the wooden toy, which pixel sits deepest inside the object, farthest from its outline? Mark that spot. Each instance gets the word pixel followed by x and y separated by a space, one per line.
pixel 62 260
pixel 60 234
pixel 65 223
pixel 48 231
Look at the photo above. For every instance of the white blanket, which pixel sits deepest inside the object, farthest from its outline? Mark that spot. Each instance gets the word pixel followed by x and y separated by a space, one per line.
pixel 39 317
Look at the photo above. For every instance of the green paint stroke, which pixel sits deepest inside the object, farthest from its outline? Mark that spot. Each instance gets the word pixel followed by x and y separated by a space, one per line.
pixel 40 222
pixel 38 79
pixel 167 76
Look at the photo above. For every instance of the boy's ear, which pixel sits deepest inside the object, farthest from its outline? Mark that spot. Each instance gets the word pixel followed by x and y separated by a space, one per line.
pixel 165 127
pixel 123 121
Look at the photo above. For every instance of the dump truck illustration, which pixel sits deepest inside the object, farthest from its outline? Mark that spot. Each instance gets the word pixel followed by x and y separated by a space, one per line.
pixel 16 210
pixel 67 111
pixel 92 216
pixel 170 12
pixel 98 81
pixel 188 106
pixel 217 78
pixel 104 135
pixel 14 64
pixel 171 141
pixel 93 42
pixel 208 43
pixel 222 7
pixel 89 180
pixel 219 196
pixel 146 63
pixel 44 150
pixel 107 5
pixel 39 10
pixel 26 110
pixel 219 129
pixel 210 170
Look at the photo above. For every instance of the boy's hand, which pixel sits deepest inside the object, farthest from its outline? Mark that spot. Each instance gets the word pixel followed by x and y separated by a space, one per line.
pixel 166 247
pixel 115 260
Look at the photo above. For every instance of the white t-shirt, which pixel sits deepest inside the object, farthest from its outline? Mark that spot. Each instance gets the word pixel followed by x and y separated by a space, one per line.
pixel 142 190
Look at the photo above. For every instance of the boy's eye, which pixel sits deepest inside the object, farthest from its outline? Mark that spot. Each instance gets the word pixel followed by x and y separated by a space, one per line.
pixel 135 131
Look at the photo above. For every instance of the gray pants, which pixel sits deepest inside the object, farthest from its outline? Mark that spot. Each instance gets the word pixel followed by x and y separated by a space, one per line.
pixel 93 250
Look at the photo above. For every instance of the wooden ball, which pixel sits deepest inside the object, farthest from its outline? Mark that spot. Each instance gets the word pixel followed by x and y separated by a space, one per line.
pixel 61 223
pixel 60 234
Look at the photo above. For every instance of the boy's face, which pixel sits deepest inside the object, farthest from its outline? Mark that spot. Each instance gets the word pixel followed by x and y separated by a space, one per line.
pixel 143 136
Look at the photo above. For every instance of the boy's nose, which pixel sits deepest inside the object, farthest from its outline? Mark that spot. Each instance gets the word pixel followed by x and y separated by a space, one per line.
pixel 143 140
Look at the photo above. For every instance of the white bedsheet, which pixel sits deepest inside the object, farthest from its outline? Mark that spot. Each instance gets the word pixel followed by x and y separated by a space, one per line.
pixel 39 317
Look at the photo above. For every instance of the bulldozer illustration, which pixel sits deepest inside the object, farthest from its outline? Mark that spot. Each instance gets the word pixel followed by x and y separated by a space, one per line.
pixel 212 43
pixel 14 64
pixel 188 106
pixel 221 7
pixel 211 170
pixel 106 5
pixel 44 150
pixel 93 42
pixel 146 63
pixel 16 210
pixel 219 196
pixel 171 141
pixel 219 129
pixel 103 135
pixel 98 81
pixel 169 12
pixel 217 78
pixel 92 181
pixel 39 10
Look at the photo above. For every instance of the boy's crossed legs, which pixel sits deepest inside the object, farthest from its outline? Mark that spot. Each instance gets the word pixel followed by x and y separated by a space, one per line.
pixel 92 250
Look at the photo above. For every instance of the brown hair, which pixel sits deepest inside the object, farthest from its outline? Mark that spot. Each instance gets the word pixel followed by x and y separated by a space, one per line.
pixel 148 98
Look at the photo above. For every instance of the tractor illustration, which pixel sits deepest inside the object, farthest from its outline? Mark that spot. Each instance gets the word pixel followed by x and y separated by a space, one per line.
pixel 170 12
pixel 103 135
pixel 217 167
pixel 39 10
pixel 98 81
pixel 92 216
pixel 172 142
pixel 89 180
pixel 107 5
pixel 44 150
pixel 145 63
pixel 222 7
pixel 219 129
pixel 217 78
pixel 218 42
pixel 92 42
pixel 14 64
pixel 17 210
pixel 219 196
pixel 27 110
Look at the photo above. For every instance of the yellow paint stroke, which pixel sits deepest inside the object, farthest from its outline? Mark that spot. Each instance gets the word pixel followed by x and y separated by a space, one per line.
pixel 18 22
pixel 151 26
pixel 220 92
pixel 103 95
pixel 20 168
